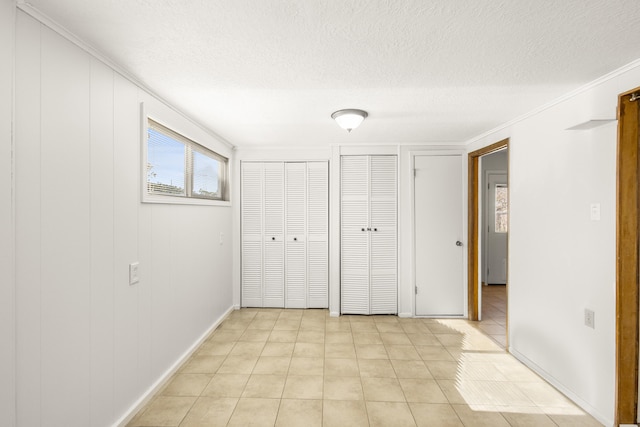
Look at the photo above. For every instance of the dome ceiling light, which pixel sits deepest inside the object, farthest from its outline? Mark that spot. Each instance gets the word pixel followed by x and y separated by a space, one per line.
pixel 350 118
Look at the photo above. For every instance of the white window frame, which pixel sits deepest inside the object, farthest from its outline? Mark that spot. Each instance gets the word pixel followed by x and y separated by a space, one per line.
pixel 200 141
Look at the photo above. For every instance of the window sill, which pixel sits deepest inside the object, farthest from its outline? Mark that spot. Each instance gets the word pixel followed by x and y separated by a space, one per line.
pixel 147 198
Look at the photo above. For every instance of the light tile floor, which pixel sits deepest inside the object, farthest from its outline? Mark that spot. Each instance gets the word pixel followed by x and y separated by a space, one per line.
pixel 494 313
pixel 272 367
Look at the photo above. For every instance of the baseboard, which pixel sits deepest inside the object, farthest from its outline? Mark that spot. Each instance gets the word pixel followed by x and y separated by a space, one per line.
pixel 405 315
pixel 584 405
pixel 334 314
pixel 146 397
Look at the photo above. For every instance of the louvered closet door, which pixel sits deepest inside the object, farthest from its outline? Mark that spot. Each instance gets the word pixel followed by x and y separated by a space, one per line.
pixel 295 235
pixel 383 245
pixel 354 237
pixel 252 225
pixel 317 235
pixel 273 237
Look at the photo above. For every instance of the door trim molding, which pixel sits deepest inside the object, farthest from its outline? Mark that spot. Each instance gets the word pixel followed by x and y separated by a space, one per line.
pixel 473 249
pixel 627 263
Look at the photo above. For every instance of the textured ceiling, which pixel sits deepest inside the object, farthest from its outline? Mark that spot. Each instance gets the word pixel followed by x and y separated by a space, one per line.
pixel 271 72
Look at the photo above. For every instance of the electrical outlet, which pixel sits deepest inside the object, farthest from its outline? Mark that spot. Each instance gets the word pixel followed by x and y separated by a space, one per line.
pixel 133 273
pixel 589 318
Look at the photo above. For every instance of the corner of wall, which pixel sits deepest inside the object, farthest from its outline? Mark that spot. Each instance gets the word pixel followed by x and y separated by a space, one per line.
pixel 7 215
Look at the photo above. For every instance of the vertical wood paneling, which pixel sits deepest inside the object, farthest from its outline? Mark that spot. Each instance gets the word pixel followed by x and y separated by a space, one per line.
pixel 65 207
pixel 27 220
pixel 164 294
pixel 7 225
pixel 126 153
pixel 89 344
pixel 102 253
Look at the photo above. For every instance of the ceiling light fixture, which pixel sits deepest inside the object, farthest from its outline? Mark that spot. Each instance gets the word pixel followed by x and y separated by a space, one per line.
pixel 350 118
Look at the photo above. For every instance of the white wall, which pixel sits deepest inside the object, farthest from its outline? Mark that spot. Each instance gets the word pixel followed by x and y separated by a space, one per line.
pixel 7 317
pixel 561 262
pixel 89 346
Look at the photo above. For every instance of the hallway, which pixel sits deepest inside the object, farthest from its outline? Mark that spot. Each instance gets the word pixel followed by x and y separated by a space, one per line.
pixel 272 367
pixel 494 313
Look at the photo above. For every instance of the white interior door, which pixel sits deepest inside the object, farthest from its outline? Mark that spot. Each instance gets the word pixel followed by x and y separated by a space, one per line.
pixel 439 253
pixel 496 242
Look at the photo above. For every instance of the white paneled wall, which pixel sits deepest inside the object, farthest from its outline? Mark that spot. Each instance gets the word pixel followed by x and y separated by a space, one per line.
pixel 7 317
pixel 90 345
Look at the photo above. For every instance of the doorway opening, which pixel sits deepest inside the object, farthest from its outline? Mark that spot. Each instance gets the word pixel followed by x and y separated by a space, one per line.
pixel 490 181
pixel 494 216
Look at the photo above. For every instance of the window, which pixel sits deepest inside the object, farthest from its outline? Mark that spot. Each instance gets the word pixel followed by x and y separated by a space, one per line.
pixel 179 167
pixel 501 208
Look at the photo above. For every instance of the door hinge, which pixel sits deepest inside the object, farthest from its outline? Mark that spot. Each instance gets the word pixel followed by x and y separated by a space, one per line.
pixel 415 172
pixel 416 290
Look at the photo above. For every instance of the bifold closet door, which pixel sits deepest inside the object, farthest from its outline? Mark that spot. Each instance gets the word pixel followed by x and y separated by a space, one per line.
pixel 368 235
pixel 262 198
pixel 273 237
pixel 317 235
pixel 252 200
pixel 295 235
pixel 284 222
pixel 354 237
pixel 383 245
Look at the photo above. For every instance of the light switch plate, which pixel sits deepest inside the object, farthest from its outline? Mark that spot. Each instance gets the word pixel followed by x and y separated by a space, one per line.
pixel 589 318
pixel 133 273
pixel 595 211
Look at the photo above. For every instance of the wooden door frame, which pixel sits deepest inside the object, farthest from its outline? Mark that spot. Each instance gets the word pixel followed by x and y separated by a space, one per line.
pixel 473 250
pixel 627 251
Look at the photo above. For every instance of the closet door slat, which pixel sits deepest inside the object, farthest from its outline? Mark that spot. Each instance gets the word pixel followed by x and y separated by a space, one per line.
pixel 317 235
